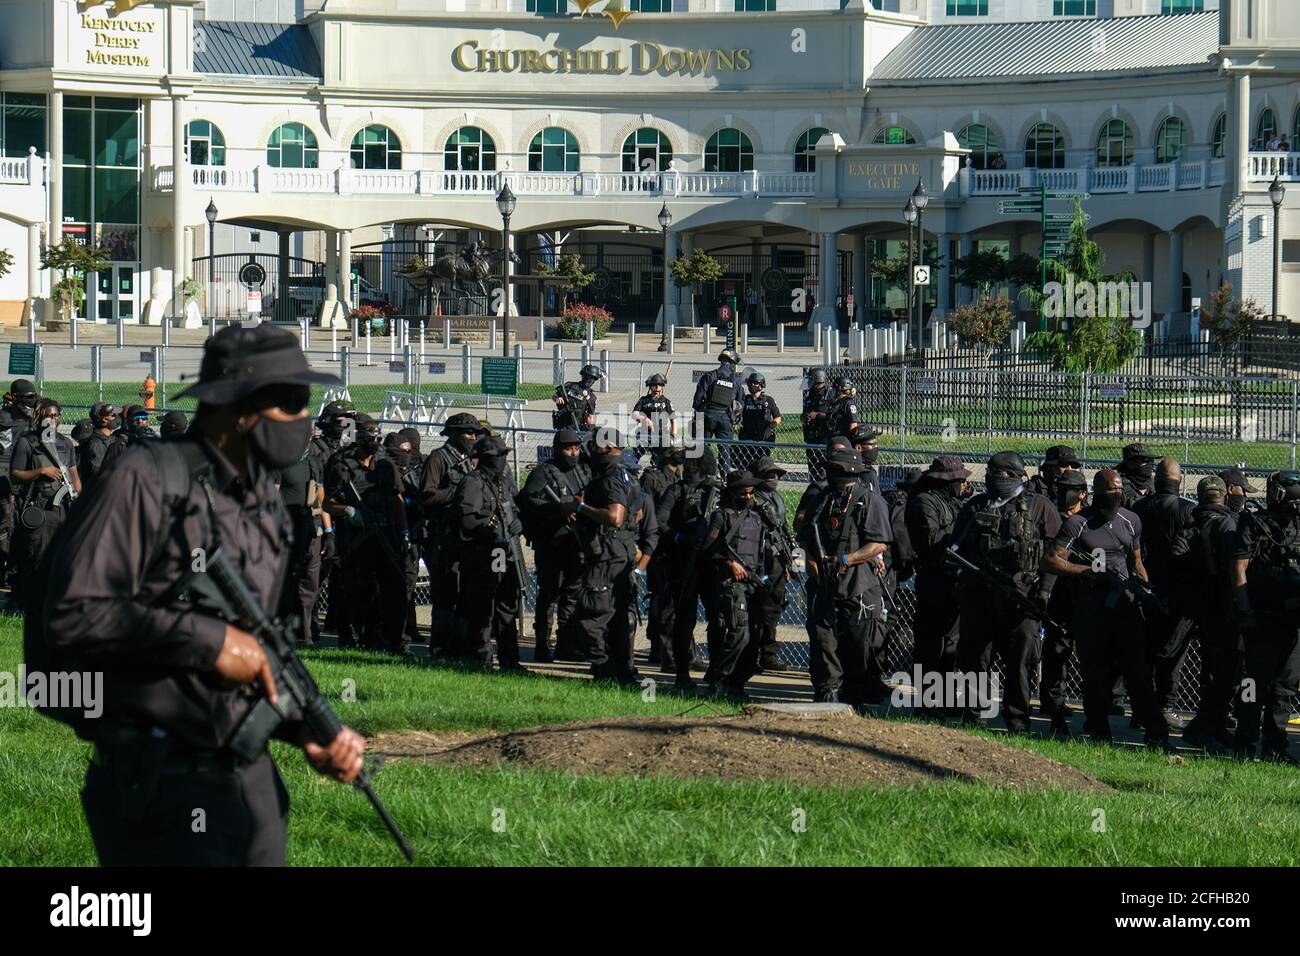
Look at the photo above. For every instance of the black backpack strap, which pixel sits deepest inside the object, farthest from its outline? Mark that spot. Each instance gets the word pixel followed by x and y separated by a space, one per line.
pixel 178 463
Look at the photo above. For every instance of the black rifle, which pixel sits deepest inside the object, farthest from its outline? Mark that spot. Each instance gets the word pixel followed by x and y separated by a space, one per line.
pixel 373 528
pixel 1003 582
pixel 1132 587
pixel 780 543
pixel 511 529
pixel 224 585
pixel 66 489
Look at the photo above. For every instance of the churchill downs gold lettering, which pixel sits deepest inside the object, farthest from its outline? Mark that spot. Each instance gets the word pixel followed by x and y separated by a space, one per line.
pixel 646 57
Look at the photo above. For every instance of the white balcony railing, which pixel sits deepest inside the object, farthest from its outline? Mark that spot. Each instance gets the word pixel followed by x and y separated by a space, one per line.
pixel 1264 166
pixel 358 182
pixel 21 170
pixel 1160 177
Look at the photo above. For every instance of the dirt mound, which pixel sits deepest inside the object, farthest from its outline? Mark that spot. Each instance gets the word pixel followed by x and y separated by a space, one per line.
pixel 835 751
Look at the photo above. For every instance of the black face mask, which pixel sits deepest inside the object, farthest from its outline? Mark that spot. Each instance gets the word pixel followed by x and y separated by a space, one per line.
pixel 1236 503
pixel 1067 498
pixel 279 444
pixel 27 401
pixel 401 458
pixel 1003 488
pixel 771 484
pixel 744 504
pixel 1142 471
pixel 841 482
pixel 1108 503
pixel 493 464
pixel 870 455
pixel 1168 486
pixel 333 430
pixel 368 441
pixel 563 462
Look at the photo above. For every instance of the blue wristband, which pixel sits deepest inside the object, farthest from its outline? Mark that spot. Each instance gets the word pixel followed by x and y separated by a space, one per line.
pixel 844 560
pixel 581 506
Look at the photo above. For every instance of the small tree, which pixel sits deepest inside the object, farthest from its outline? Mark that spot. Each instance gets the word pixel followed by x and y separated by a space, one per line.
pixel 982 271
pixel 570 267
pixel 1093 343
pixel 984 324
pixel 1229 319
pixel 690 272
pixel 6 262
pixel 72 261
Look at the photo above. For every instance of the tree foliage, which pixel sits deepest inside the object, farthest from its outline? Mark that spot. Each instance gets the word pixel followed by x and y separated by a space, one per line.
pixel 6 262
pixel 1228 318
pixel 73 261
pixel 695 270
pixel 986 323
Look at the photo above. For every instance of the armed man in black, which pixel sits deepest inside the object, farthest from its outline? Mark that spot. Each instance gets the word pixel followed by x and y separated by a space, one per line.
pixel 844 411
pixel 717 396
pixel 43 471
pixel 15 417
pixel 606 528
pixel 642 526
pixel 1166 516
pixel 1059 460
pixel 403 447
pixel 1137 471
pixel 817 402
pixel 656 482
pixel 683 517
pixel 845 540
pixel 1203 575
pixel 1101 548
pixel 444 470
pixel 363 494
pixel 1004 531
pixel 1071 494
pixel 337 426
pixel 302 489
pixel 93 452
pixel 731 562
pixel 653 414
pixel 489 530
pixel 767 602
pixel 1239 487
pixel 931 517
pixel 1266 589
pixel 178 679
pixel 551 532
pixel 864 439
pixel 759 416
pixel 575 402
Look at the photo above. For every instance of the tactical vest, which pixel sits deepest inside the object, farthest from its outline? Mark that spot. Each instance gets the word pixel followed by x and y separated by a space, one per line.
pixel 722 394
pixel 1274 576
pixel 816 431
pixel 756 417
pixel 843 415
pixel 576 404
pixel 841 521
pixel 452 476
pixel 1008 539
pixel 744 532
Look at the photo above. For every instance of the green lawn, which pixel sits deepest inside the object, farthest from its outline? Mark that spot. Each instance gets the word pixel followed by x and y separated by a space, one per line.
pixel 1173 813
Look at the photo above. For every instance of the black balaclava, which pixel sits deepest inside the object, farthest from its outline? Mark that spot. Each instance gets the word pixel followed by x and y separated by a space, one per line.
pixel 1108 503
pixel 279 444
pixel 1168 486
pixel 1002 486
pixel 1235 503
pixel 1067 498
pixel 562 461
pixel 771 484
pixel 493 464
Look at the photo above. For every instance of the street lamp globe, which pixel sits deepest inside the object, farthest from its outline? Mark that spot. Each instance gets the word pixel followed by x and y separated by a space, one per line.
pixel 920 196
pixel 910 212
pixel 211 212
pixel 506 202
pixel 1276 191
pixel 665 217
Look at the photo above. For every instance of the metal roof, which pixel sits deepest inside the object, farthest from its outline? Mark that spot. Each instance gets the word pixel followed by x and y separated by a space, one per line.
pixel 1052 47
pixel 236 48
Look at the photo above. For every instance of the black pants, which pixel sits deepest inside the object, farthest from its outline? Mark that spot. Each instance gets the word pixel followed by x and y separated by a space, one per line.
pixel 601 589
pixel 936 628
pixel 244 819
pixel 1110 641
pixel 736 657
pixel 486 607
pixel 554 601
pixel 765 613
pixel 1221 665
pixel 688 592
pixel 659 627
pixel 718 426
pixel 1169 636
pixel 374 595
pixel 846 636
pixel 444 589
pixel 620 638
pixel 1272 670
pixel 991 622
pixel 30 545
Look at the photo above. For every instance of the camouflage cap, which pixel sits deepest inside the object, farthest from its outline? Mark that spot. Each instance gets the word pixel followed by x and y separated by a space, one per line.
pixel 1211 485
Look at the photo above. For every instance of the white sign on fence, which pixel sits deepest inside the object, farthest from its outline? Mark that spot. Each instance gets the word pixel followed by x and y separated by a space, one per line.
pixel 437 368
pixel 254 303
pixel 926 385
pixel 1111 390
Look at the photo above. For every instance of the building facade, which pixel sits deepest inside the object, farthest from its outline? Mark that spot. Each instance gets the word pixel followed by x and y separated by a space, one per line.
pixel 784 137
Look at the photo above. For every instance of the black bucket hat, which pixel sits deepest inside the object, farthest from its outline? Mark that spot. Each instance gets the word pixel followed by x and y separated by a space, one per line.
pixel 238 361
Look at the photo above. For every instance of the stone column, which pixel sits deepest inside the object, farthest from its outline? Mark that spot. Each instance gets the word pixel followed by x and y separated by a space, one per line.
pixel 180 177
pixel 345 267
pixel 283 305
pixel 55 172
pixel 670 312
pixel 1239 135
pixel 1175 277
pixel 965 246
pixel 686 311
pixel 332 259
pixel 944 275
pixel 1149 258
pixel 827 280
pixel 860 273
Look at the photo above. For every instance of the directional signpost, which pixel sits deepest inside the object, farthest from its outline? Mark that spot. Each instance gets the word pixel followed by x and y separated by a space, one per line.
pixel 1053 226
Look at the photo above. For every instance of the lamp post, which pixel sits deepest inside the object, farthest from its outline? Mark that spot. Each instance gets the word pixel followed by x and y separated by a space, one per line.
pixel 1276 192
pixel 665 220
pixel 911 215
pixel 505 206
pixel 920 199
pixel 211 213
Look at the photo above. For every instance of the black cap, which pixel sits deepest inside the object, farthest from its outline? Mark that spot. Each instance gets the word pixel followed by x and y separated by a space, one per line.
pixel 461 422
pixel 174 423
pixel 864 433
pixel 765 465
pixel 21 386
pixel 238 361
pixel 1235 476
pixel 365 421
pixel 1072 479
pixel 846 461
pixel 566 436
pixel 1060 455
pixel 338 410
pixel 742 479
pixel 1138 451
pixel 1008 462
pixel 947 468
pixel 489 446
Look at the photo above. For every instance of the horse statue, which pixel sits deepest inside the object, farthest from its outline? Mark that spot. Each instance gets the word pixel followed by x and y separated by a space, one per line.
pixel 475 268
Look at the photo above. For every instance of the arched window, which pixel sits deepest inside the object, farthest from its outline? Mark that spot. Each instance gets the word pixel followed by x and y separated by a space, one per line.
pixel 1045 148
pixel 646 151
pixel 1266 128
pixel 376 147
pixel 553 150
pixel 1171 140
pixel 470 150
pixel 1218 137
pixel 983 144
pixel 895 136
pixel 204 144
pixel 1115 144
pixel 728 151
pixel 292 146
pixel 804 159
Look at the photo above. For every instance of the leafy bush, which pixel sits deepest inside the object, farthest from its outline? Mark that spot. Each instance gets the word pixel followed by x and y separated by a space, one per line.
pixel 1228 319
pixel 985 323
pixel 573 322
pixel 376 316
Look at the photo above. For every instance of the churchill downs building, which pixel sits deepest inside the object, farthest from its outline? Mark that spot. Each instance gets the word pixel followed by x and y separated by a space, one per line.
pixel 333 138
